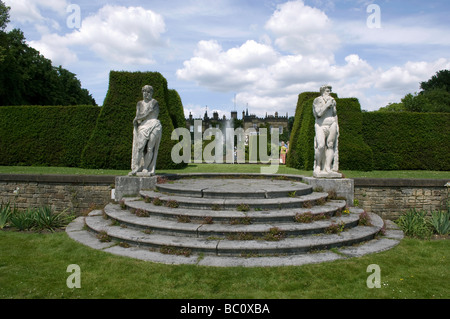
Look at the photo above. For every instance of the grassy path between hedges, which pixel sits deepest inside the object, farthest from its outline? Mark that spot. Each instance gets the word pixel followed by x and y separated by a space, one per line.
pixel 222 168
pixel 34 266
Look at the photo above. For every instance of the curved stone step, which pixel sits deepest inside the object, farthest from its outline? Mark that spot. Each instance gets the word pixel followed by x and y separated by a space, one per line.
pixel 240 188
pixel 232 204
pixel 77 231
pixel 221 216
pixel 225 247
pixel 223 230
pixel 203 223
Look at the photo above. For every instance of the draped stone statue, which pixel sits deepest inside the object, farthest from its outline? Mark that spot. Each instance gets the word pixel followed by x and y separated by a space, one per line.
pixel 146 135
pixel 326 159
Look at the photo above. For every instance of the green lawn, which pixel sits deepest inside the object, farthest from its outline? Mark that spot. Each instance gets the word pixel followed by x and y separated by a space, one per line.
pixel 222 168
pixel 35 265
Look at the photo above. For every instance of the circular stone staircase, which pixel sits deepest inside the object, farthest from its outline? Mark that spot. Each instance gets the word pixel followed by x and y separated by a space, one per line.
pixel 234 222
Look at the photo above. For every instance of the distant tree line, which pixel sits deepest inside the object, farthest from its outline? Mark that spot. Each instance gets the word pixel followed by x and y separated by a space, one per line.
pixel 433 97
pixel 28 78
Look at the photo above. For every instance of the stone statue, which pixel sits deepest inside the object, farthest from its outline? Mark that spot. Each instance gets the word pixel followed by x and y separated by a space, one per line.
pixel 146 135
pixel 326 160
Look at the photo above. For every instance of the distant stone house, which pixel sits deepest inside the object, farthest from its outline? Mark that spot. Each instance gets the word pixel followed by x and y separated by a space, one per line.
pixel 247 121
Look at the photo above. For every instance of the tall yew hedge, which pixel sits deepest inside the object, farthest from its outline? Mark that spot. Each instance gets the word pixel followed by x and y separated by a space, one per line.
pixel 295 157
pixel 111 142
pixel 408 141
pixel 45 135
pixel 374 140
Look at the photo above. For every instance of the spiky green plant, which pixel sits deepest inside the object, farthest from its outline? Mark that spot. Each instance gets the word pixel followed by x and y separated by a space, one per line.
pixel 23 220
pixel 414 224
pixel 440 220
pixel 47 219
pixel 5 214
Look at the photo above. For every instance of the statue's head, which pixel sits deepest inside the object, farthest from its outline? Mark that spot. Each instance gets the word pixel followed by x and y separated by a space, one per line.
pixel 325 89
pixel 148 89
pixel 147 92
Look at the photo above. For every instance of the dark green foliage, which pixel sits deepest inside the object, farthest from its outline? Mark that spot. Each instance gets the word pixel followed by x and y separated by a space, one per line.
pixel 408 141
pixel 111 142
pixel 45 135
pixel 304 150
pixel 295 158
pixel 434 97
pixel 176 109
pixel 28 78
pixel 441 80
pixel 4 15
pixel 354 154
pixel 393 107
pixel 433 100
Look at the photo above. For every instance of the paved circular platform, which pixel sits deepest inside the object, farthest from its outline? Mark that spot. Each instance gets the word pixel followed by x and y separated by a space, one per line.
pixel 236 187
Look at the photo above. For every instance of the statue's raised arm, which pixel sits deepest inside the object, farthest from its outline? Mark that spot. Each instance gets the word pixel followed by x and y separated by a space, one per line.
pixel 326 158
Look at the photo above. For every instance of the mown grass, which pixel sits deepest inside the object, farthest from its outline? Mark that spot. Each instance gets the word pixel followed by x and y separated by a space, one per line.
pixel 222 168
pixel 34 265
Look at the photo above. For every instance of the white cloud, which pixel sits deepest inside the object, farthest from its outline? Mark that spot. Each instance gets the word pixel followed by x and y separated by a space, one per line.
pixel 275 55
pixel 30 10
pixel 377 88
pixel 302 29
pixel 54 47
pixel 228 70
pixel 121 34
pixel 264 78
pixel 408 76
pixel 116 34
pixel 269 75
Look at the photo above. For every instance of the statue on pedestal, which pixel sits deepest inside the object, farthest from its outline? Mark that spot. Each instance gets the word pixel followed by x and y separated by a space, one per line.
pixel 146 135
pixel 326 159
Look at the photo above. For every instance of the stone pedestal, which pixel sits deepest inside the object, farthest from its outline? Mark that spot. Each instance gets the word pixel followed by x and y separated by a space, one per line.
pixel 344 187
pixel 327 175
pixel 130 186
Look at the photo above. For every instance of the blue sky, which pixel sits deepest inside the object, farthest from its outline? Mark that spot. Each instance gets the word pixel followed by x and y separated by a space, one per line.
pixel 260 53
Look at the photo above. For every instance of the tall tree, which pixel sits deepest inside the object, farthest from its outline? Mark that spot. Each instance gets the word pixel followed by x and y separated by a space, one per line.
pixel 28 78
pixel 4 15
pixel 4 20
pixel 441 80
pixel 434 97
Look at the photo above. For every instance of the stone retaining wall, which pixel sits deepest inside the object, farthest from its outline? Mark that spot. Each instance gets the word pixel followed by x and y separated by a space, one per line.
pixel 79 194
pixel 389 198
